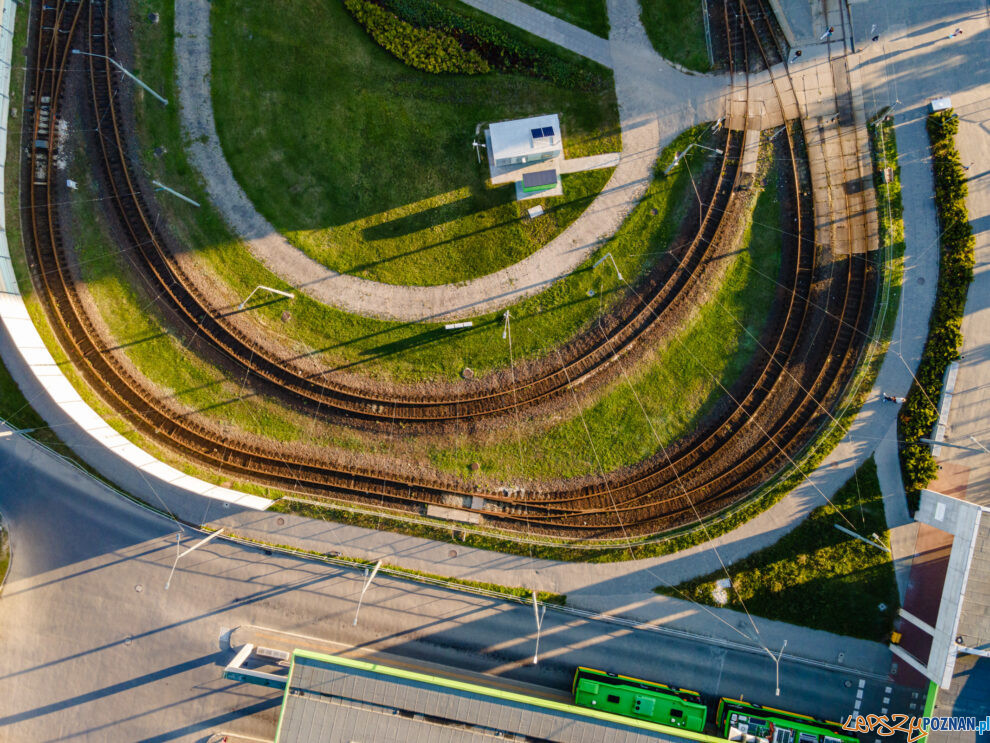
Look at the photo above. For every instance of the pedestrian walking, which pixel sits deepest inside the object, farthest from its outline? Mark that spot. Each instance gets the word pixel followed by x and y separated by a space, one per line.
pixel 889 398
pixel 797 54
pixel 831 30
pixel 954 34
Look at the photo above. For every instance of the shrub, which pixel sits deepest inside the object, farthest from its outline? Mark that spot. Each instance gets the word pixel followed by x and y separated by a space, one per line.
pixel 427 49
pixel 956 260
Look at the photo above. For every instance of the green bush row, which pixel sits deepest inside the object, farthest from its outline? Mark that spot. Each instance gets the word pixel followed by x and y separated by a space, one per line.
pixel 427 49
pixel 500 50
pixel 956 259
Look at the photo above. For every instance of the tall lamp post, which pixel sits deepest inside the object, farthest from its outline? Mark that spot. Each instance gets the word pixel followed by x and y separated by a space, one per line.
pixel 680 155
pixel 124 70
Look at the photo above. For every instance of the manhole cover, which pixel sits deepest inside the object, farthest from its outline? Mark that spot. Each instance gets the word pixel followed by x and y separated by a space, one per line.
pixel 468 373
pixel 127 640
pixel 847 683
pixel 474 466
pixel 451 553
pixel 139 588
pixel 286 316
pixel 280 521
pixel 921 280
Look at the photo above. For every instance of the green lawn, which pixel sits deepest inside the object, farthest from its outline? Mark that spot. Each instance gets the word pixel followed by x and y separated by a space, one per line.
pixel 366 164
pixel 389 350
pixel 677 387
pixel 816 576
pixel 677 30
pixel 591 15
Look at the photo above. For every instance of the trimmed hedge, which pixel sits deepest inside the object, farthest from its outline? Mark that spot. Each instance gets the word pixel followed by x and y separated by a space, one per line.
pixel 426 49
pixel 497 48
pixel 919 414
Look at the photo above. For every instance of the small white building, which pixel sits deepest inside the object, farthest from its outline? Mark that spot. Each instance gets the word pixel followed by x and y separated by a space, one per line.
pixel 527 152
pixel 525 141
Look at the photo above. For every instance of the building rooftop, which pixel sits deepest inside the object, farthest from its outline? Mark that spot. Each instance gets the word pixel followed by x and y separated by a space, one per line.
pixel 329 698
pixel 516 138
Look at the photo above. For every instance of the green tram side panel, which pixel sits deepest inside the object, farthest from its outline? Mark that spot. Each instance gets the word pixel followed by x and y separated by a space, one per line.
pixel 663 708
pixel 746 723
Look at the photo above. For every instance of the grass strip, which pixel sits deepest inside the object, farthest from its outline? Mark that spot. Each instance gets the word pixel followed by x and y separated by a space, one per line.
pixel 956 260
pixel 677 31
pixel 816 576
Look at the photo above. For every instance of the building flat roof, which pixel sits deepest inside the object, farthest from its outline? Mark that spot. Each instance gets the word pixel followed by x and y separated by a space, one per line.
pixel 329 698
pixel 515 138
pixel 974 619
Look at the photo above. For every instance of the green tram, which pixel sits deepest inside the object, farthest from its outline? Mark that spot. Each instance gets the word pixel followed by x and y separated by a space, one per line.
pixel 644 700
pixel 753 723
pixel 736 720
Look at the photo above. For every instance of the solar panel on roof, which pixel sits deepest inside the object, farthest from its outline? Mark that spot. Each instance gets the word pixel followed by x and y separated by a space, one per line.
pixel 537 133
pixel 540 178
pixel 548 131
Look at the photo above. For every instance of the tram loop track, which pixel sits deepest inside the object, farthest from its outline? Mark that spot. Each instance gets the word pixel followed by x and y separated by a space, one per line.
pixel 779 398
pixel 670 292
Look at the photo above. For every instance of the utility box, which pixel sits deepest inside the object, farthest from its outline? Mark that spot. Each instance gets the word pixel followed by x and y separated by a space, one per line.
pixel 940 104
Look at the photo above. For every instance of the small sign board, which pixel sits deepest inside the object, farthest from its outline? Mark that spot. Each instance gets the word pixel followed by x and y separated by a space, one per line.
pixel 458 325
pixel 535 211
pixel 940 104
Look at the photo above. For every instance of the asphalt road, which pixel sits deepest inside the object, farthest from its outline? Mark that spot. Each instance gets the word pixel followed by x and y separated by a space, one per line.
pixel 92 646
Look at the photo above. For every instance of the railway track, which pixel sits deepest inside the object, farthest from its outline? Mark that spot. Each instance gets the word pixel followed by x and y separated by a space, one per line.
pixel 664 293
pixel 770 414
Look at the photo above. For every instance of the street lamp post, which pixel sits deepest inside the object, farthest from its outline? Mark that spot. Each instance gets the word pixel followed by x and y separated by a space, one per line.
pixel 776 660
pixel 124 70
pixel 367 583
pixel 179 555
pixel 290 295
pixel 16 432
pixel 609 256
pixel 539 612
pixel 678 156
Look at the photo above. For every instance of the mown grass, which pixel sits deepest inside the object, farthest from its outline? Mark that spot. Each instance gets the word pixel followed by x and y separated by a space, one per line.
pixel 677 31
pixel 817 576
pixel 366 164
pixel 665 398
pixel 396 351
pixel 591 15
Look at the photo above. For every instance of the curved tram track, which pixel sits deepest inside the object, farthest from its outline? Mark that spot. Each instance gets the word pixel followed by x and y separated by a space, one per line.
pixel 805 356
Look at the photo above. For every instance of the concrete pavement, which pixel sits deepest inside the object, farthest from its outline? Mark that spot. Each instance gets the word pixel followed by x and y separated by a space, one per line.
pixel 95 648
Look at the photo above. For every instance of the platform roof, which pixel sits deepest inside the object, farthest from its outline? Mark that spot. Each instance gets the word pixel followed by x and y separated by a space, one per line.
pixel 329 698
